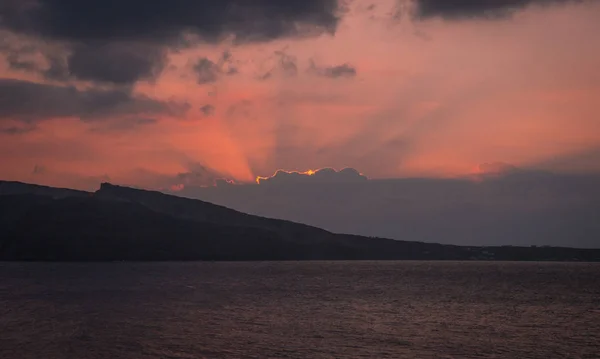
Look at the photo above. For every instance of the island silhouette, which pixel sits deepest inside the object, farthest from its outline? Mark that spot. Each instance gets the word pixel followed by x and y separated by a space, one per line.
pixel 116 223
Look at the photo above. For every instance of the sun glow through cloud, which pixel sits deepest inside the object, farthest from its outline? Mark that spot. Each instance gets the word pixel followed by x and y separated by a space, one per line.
pixel 306 173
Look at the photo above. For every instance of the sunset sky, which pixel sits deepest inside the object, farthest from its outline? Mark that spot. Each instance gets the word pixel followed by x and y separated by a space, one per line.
pixel 167 94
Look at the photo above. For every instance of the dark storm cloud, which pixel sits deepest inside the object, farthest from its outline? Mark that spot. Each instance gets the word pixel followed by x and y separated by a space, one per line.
pixel 123 41
pixel 476 8
pixel 118 63
pixel 164 21
pixel 29 101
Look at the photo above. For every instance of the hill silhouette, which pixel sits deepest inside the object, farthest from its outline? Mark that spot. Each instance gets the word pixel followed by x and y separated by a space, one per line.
pixel 119 223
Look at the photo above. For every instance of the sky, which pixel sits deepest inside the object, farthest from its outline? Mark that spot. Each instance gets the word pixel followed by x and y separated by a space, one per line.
pixel 179 93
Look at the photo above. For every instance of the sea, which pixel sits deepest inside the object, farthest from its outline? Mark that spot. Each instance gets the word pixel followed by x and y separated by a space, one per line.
pixel 359 309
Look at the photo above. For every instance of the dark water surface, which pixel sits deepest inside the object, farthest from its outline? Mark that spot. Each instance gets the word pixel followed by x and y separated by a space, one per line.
pixel 300 310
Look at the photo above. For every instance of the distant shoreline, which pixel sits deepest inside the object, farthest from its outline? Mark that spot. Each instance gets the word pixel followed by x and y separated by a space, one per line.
pixel 297 261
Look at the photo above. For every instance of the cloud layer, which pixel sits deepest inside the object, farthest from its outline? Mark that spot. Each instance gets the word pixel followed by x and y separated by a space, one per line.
pixel 118 63
pixel 477 8
pixel 415 88
pixel 507 206
pixel 31 102
pixel 166 21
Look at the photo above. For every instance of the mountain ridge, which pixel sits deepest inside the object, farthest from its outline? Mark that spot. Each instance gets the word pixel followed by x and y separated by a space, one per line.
pixel 41 223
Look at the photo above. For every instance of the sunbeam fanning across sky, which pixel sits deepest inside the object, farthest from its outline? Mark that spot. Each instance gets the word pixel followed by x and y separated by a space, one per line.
pixel 392 88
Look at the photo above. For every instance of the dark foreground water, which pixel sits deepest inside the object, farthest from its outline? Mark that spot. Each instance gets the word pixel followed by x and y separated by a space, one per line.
pixel 300 310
